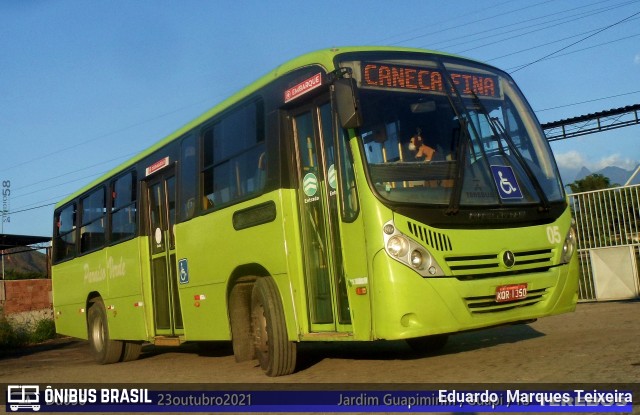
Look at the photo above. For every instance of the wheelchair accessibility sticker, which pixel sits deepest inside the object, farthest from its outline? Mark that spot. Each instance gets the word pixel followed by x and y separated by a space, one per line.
pixel 506 182
pixel 183 269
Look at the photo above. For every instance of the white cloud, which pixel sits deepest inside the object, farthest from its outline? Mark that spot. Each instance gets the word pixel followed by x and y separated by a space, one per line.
pixel 570 160
pixel 636 60
pixel 575 160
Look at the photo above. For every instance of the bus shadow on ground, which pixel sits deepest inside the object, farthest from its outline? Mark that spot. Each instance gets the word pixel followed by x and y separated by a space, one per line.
pixel 204 349
pixel 310 354
pixel 53 344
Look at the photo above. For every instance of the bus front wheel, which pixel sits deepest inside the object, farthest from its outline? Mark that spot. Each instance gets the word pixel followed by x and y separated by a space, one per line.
pixel 276 354
pixel 104 349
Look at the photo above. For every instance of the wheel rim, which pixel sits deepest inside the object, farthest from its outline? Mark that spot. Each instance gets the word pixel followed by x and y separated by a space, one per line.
pixel 97 335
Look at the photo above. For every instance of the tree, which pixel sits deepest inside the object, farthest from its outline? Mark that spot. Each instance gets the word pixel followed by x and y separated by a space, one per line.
pixel 594 181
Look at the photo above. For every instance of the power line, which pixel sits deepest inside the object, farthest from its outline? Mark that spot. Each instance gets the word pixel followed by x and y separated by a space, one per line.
pixel 541 45
pixel 31 208
pixel 589 47
pixel 78 170
pixel 475 21
pixel 575 43
pixel 473 12
pixel 85 178
pixel 472 37
pixel 585 102
pixel 560 22
pixel 99 137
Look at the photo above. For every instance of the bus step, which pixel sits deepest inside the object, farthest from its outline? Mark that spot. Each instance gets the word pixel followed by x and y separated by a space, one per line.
pixel 166 341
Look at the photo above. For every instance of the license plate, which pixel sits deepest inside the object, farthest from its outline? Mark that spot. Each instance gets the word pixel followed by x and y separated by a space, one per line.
pixel 513 292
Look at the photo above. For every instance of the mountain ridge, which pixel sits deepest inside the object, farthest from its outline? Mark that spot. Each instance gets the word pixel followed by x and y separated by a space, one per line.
pixel 617 175
pixel 23 262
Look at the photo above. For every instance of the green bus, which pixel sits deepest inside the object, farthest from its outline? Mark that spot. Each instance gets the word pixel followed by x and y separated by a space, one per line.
pixel 352 194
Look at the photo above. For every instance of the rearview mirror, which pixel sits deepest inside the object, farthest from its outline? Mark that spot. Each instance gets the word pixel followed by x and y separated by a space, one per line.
pixel 347 103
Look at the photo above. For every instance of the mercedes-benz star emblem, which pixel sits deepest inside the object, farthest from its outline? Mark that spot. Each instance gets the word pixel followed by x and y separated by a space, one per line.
pixel 508 259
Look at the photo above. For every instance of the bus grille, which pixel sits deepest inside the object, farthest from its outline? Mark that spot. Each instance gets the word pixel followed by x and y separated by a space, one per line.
pixel 488 303
pixel 436 240
pixel 477 266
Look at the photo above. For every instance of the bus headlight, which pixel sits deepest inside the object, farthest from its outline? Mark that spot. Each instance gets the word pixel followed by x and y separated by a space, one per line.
pixel 398 246
pixel 570 244
pixel 417 259
pixel 409 252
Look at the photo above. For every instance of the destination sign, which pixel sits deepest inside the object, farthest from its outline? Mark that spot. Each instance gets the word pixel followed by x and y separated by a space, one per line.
pixel 382 75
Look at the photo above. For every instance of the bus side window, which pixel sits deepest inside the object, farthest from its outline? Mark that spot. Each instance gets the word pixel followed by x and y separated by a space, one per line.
pixel 232 162
pixel 123 210
pixel 92 232
pixel 207 171
pixel 188 177
pixel 350 206
pixel 65 234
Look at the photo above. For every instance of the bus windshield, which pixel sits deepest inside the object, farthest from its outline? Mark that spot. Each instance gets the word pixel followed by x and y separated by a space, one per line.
pixel 449 132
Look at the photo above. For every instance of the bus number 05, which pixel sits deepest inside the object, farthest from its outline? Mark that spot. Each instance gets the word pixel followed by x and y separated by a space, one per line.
pixel 553 234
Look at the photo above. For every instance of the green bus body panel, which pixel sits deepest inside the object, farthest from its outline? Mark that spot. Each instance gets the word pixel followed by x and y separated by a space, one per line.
pixel 432 306
pixel 214 249
pixel 438 305
pixel 114 273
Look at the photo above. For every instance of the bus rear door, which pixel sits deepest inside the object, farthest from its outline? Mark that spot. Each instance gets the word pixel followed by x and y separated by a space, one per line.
pixel 161 204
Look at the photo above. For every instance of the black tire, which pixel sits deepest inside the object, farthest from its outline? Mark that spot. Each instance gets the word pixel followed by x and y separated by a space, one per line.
pixel 240 320
pixel 276 354
pixel 104 349
pixel 428 344
pixel 131 351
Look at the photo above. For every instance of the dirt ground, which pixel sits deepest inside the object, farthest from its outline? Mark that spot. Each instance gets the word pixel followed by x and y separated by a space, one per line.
pixel 597 344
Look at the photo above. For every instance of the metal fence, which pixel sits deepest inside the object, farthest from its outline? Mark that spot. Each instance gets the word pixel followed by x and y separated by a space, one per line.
pixel 608 225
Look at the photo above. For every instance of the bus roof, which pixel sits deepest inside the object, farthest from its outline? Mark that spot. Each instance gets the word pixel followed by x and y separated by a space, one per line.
pixel 324 58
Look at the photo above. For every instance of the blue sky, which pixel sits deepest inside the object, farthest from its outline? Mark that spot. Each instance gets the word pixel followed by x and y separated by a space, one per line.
pixel 85 84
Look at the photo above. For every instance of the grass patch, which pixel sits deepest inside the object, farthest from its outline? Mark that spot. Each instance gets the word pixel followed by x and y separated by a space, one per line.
pixel 13 336
pixel 42 330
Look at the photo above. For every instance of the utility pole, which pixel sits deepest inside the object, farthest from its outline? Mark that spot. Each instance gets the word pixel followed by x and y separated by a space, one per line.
pixel 2 250
pixel 6 203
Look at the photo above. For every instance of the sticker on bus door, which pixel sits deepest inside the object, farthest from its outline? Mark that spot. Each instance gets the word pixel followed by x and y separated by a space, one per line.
pixel 183 270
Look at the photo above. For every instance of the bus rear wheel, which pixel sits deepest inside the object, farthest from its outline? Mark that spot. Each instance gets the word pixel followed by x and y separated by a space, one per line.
pixel 104 349
pixel 276 354
pixel 428 344
pixel 131 351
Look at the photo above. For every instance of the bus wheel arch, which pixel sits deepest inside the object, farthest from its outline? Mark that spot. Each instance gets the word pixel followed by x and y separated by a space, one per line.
pixel 104 349
pixel 275 352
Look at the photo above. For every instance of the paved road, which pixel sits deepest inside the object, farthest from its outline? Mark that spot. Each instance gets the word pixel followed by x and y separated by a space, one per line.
pixel 599 343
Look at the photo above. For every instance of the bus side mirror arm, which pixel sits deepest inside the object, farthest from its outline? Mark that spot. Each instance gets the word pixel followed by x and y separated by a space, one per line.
pixel 347 102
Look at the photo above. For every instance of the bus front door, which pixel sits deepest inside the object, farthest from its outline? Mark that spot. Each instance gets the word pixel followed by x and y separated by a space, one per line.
pixel 161 203
pixel 326 290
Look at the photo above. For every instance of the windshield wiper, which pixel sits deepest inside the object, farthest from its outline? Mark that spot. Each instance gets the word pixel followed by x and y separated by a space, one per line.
pixel 499 131
pixel 465 139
